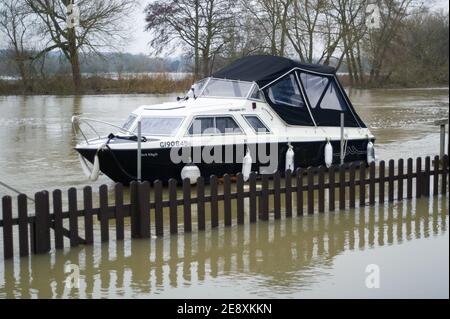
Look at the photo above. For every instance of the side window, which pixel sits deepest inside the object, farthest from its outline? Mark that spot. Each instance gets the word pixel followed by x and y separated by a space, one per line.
pixel 213 125
pixel 333 99
pixel 202 125
pixel 286 92
pixel 257 125
pixel 227 125
pixel 314 86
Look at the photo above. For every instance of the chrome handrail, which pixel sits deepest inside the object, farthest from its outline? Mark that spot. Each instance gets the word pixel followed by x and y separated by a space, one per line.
pixel 77 120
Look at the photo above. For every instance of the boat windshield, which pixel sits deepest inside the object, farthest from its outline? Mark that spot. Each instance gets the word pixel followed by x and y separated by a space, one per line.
pixel 160 126
pixel 226 88
pixel 129 122
pixel 196 89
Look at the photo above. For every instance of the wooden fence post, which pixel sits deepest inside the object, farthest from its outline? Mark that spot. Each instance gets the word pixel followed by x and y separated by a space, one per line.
pixel 187 214
pixel 352 195
pixel 240 198
pixel 372 184
pixel 173 207
pixel 277 195
pixel 419 177
pixel 200 203
pixel 103 214
pixel 436 175
pixel 8 246
pixel 391 180
pixel 41 231
pixel 409 179
pixel 426 175
pixel 299 177
pixel 252 199
pixel 362 184
pixel 264 198
pixel 331 189
pixel 342 187
pixel 119 213
pixel 400 179
pixel 214 203
pixel 381 186
pixel 227 200
pixel 310 178
pixel 23 224
pixel 159 216
pixel 288 195
pixel 321 189
pixel 88 216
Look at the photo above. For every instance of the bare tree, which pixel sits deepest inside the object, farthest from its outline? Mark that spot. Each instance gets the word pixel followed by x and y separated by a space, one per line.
pixel 101 25
pixel 201 25
pixel 16 25
pixel 393 15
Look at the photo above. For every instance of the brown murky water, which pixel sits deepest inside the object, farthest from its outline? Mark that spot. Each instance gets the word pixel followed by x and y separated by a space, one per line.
pixel 317 256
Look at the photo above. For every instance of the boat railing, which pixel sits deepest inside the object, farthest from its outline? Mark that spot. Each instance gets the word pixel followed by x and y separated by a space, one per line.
pixel 78 120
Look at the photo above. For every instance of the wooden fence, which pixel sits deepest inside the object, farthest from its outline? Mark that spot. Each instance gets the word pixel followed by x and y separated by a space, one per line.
pixel 308 186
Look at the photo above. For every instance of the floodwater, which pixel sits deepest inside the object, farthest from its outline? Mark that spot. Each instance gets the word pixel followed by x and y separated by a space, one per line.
pixel 323 255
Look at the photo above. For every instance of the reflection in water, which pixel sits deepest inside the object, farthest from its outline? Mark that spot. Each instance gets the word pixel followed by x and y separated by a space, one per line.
pixel 283 257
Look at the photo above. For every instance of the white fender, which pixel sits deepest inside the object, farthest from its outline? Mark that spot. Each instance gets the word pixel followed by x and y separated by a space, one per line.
pixel 190 171
pixel 93 174
pixel 247 166
pixel 328 154
pixel 290 158
pixel 370 152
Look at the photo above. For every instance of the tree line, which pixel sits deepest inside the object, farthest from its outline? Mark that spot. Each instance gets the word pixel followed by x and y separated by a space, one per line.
pixel 376 42
pixel 373 40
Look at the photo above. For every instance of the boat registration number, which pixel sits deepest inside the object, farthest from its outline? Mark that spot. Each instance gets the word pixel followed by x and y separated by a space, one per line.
pixel 166 144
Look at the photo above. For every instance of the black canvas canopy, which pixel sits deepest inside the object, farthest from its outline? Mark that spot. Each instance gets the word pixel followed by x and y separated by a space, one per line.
pixel 263 69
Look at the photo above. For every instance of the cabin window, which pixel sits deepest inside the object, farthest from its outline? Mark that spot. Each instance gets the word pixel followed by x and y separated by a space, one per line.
pixel 315 87
pixel 286 92
pixel 257 125
pixel 129 122
pixel 332 100
pixel 225 88
pixel 160 126
pixel 216 125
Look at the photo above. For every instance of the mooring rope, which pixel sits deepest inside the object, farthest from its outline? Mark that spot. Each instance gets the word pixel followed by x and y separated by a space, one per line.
pixel 14 190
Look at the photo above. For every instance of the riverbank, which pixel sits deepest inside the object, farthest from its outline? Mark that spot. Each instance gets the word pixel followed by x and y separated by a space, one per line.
pixel 145 84
pixel 92 85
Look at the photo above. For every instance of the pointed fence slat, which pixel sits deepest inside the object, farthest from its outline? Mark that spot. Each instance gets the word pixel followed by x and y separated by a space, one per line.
pixel 391 177
pixel 119 211
pixel 103 214
pixel 252 197
pixel 277 195
pixel 8 245
pixel 88 216
pixel 240 198
pixel 187 206
pixel 173 208
pixel 299 191
pixel 310 178
pixel 22 207
pixel 159 216
pixel 331 189
pixel 288 194
pixel 362 184
pixel 200 203
pixel 214 202
pixel 400 174
pixel 227 199
pixel 321 181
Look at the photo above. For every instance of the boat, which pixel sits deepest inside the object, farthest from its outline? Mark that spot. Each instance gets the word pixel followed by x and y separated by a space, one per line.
pixel 259 114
